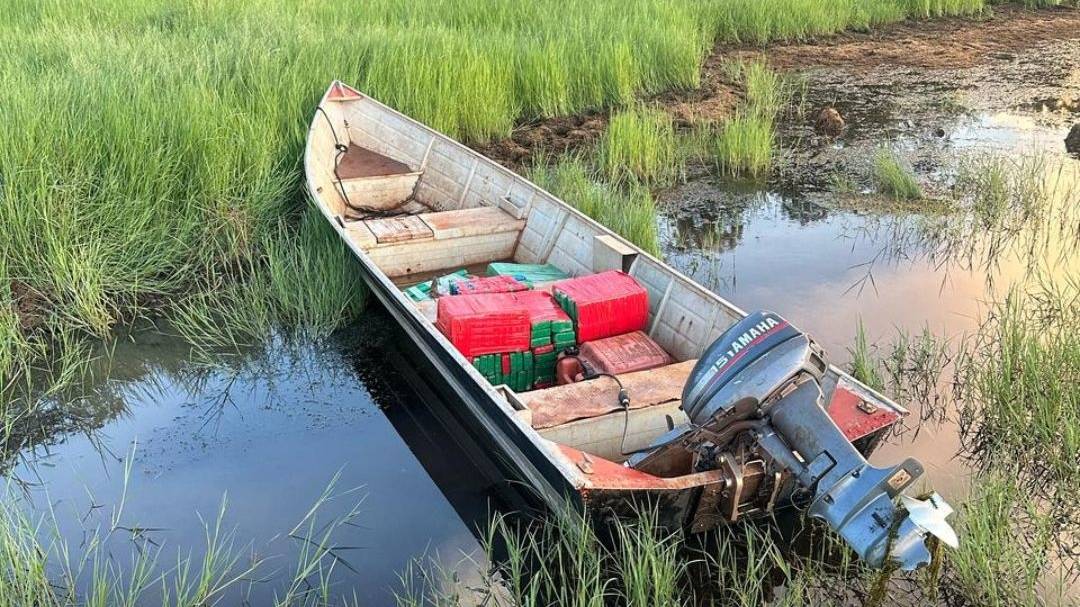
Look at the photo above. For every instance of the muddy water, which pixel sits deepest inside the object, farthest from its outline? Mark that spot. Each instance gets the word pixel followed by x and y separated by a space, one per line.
pixel 165 443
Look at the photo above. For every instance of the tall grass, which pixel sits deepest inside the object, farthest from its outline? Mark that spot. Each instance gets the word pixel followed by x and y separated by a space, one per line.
pixel 761 21
pixel 1006 544
pixel 864 365
pixel 1019 388
pixel 39 568
pixel 628 209
pixel 743 145
pixel 640 143
pixel 275 290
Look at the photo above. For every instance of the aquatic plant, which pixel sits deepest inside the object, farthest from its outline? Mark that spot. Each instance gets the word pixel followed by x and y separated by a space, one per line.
pixel 1005 548
pixel 915 369
pixel 865 365
pixel 893 178
pixel 639 143
pixel 39 568
pixel 1018 386
pixel 742 146
pixel 628 209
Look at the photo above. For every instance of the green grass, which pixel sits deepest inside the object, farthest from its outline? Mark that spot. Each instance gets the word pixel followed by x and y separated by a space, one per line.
pixel 640 143
pixel 628 209
pixel 893 178
pixel 1006 544
pixel 1018 389
pixel 864 365
pixel 743 145
pixel 272 292
pixel 39 568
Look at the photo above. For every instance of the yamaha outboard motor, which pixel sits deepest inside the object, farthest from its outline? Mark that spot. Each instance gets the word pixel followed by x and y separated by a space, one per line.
pixel 756 411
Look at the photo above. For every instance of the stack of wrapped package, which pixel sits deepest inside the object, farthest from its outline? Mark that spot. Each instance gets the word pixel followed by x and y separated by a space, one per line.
pixel 605 304
pixel 552 332
pixel 534 329
pixel 514 335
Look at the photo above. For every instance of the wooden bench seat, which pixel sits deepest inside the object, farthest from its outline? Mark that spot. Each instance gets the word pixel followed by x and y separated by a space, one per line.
pixel 426 242
pixel 559 405
pixel 370 180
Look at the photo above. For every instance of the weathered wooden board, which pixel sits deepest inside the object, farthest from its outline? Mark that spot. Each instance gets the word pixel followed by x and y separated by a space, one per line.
pixel 471 222
pixel 420 256
pixel 359 161
pixel 561 404
pixel 399 229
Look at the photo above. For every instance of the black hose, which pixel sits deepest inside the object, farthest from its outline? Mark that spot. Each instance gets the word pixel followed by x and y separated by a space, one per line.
pixel 623 398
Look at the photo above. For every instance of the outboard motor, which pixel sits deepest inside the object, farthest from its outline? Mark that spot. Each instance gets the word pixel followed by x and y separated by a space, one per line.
pixel 756 410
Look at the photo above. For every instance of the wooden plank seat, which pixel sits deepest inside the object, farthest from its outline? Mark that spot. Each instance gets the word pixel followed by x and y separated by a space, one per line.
pixel 559 405
pixel 370 180
pixel 426 242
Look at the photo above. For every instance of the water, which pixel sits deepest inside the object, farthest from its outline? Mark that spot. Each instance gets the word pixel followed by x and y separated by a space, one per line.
pixel 266 435
pixel 153 452
pixel 824 261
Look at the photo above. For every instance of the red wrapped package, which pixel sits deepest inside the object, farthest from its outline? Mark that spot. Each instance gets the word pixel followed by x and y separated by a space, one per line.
pixel 624 353
pixel 604 304
pixel 487 284
pixel 484 324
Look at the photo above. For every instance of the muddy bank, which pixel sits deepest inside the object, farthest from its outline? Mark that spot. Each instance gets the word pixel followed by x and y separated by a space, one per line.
pixel 945 43
pixel 1024 102
pixel 948 43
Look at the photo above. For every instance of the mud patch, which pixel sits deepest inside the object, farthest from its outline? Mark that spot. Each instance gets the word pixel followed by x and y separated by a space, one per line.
pixel 927 116
pixel 945 43
pixel 554 136
pixel 28 304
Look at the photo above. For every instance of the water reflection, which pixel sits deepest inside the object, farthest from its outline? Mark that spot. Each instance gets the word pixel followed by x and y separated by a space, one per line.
pixel 150 455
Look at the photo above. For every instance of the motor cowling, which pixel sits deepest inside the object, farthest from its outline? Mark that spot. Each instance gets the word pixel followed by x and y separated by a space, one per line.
pixel 755 406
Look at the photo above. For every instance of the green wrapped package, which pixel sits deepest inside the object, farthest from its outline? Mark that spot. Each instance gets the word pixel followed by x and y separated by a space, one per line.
pixel 528 273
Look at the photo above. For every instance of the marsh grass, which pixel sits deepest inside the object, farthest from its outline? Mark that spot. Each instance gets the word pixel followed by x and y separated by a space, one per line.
pixel 39 567
pixel 1006 545
pixel 640 143
pixel 893 178
pixel 916 368
pixel 1007 195
pixel 629 208
pixel 865 365
pixel 743 146
pixel 1018 387
pixel 272 292
pixel 761 21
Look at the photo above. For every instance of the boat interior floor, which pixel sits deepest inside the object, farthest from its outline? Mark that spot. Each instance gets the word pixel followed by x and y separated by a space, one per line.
pixel 559 405
pixel 587 416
